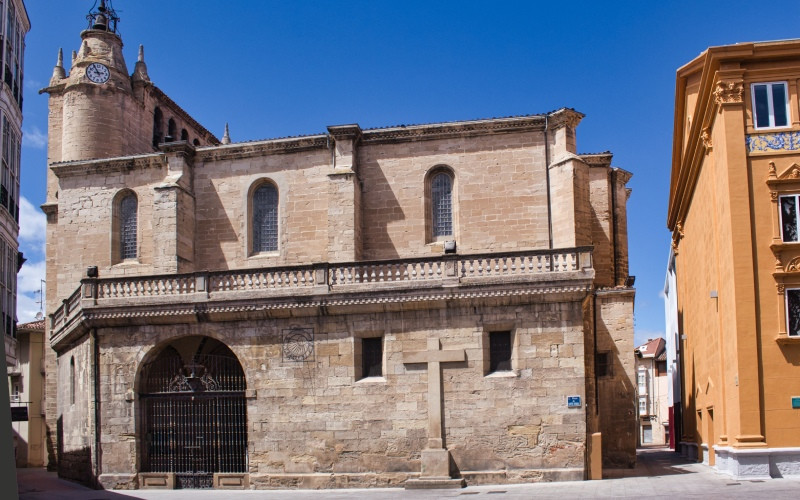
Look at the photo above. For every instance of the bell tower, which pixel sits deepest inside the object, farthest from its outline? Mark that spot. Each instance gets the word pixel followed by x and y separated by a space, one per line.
pixel 92 109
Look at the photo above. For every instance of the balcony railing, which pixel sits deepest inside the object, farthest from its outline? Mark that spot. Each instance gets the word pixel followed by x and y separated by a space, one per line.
pixel 324 278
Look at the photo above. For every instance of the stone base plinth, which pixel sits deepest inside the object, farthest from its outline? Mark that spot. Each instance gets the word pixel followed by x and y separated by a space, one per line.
pixel 758 463
pixel 157 480
pixel 434 483
pixel 435 464
pixel 231 481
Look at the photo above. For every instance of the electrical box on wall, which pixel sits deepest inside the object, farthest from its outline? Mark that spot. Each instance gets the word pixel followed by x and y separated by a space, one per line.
pixel 796 402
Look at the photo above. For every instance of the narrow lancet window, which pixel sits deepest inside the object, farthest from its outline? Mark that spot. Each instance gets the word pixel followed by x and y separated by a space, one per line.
pixel 265 219
pixel 442 205
pixel 127 227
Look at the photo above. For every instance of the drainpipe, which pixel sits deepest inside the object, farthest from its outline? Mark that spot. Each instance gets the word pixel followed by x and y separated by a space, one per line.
pixel 96 404
pixel 547 181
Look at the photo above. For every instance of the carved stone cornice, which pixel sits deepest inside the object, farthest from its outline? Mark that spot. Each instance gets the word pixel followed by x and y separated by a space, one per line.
pixel 188 312
pixel 165 100
pixel 84 167
pixel 556 119
pixel 241 150
pixel 729 92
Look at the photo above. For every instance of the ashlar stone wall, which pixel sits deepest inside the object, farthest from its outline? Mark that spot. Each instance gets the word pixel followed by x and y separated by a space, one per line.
pixel 315 424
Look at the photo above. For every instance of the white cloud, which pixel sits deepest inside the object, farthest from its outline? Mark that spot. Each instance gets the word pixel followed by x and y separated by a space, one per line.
pixel 30 276
pixel 27 308
pixel 32 224
pixel 34 138
pixel 32 84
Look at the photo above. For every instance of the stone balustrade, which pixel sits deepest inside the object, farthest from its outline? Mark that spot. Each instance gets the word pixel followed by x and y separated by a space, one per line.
pixel 322 279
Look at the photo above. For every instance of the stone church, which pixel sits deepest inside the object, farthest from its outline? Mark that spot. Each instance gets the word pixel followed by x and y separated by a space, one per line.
pixel 415 306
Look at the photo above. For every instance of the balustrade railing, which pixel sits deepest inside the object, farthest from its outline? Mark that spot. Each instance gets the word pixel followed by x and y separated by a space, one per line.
pixel 260 279
pixel 314 278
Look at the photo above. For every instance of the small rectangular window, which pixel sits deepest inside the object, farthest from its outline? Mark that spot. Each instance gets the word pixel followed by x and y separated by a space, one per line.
pixel 770 105
pixel 642 383
pixel 789 223
pixel 372 357
pixel 603 364
pixel 642 406
pixel 499 351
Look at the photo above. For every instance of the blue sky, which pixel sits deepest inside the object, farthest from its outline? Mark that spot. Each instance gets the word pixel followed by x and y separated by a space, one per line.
pixel 274 69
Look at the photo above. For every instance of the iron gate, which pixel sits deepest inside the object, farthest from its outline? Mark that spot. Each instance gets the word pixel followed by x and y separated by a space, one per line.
pixel 194 417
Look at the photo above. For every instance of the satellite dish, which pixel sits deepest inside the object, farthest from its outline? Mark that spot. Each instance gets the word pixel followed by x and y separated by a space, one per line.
pixel 39 316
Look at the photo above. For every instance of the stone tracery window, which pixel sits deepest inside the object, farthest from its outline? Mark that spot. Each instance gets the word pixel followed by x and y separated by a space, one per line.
pixel 442 204
pixel 265 219
pixel 439 203
pixel 128 226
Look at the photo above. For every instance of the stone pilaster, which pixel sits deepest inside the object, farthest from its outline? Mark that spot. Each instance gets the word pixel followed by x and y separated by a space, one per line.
pixel 569 201
pixel 173 212
pixel 344 204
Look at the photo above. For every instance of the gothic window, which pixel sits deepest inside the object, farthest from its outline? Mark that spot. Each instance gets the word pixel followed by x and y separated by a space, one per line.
pixel 439 202
pixel 372 357
pixel 72 380
pixel 124 237
pixel 127 237
pixel 442 204
pixel 499 351
pixel 770 105
pixel 793 312
pixel 789 221
pixel 184 135
pixel 265 219
pixel 158 130
pixel 172 130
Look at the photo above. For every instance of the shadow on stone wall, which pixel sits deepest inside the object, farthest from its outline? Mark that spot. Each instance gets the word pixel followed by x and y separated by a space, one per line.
pixel 75 465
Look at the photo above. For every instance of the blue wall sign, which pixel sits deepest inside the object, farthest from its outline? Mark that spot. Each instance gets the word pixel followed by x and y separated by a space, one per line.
pixel 573 401
pixel 796 402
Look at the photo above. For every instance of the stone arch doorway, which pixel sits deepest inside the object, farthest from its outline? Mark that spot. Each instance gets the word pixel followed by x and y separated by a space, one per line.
pixel 193 411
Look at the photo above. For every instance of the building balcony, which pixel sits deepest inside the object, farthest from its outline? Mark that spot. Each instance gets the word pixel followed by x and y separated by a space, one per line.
pixel 325 288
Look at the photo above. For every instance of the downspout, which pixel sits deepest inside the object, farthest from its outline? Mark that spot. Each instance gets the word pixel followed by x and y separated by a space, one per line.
pixel 614 229
pixel 594 361
pixel 547 181
pixel 96 404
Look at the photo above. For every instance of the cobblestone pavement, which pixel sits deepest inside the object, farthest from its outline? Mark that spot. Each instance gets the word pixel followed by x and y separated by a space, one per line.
pixel 659 473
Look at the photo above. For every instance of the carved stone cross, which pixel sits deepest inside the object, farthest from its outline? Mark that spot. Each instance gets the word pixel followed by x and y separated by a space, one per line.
pixel 435 458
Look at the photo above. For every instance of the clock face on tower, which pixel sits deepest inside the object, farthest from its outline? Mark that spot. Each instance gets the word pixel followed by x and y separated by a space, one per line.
pixel 97 73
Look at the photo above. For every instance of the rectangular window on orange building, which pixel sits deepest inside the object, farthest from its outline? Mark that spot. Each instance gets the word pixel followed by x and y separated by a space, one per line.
pixel 793 311
pixel 770 105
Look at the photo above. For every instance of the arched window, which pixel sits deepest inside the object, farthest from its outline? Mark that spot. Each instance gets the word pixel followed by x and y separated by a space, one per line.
pixel 72 380
pixel 196 142
pixel 158 127
pixel 184 135
pixel 172 130
pixel 127 224
pixel 441 199
pixel 265 219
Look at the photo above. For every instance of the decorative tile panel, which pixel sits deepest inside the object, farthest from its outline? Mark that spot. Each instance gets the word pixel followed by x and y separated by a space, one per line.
pixel 775 142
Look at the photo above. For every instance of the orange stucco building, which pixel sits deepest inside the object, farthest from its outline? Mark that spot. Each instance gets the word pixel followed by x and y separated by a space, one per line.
pixel 733 213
